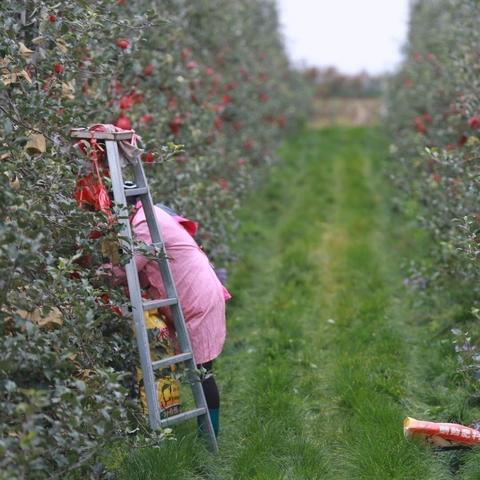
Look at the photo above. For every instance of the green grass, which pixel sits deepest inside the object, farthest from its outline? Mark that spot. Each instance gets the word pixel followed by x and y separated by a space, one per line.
pixel 327 351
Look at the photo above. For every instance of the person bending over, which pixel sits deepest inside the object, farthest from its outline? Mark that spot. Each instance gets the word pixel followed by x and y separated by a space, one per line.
pixel 199 290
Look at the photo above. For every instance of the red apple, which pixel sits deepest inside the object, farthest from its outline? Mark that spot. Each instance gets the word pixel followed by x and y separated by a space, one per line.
pixel 122 43
pixel 148 157
pixel 263 97
pixel 248 144
pixel 230 86
pixel 126 102
pixel 474 122
pixel 420 125
pixel 282 121
pixel 123 122
pixel 148 70
pixel 218 122
pixel 172 103
pixel 146 118
pixel 176 124
pixel 223 184
pixel 427 118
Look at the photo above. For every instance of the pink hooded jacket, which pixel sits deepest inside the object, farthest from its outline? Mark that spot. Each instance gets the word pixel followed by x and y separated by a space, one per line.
pixel 201 294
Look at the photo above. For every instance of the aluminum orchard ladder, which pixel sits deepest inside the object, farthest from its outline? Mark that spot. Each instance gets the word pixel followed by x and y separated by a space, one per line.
pixel 141 191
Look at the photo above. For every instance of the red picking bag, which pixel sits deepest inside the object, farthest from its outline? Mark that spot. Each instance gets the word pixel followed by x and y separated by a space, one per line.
pixel 90 189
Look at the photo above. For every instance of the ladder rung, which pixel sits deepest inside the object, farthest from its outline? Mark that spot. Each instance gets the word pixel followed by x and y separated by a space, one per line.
pixel 182 417
pixel 166 362
pixel 135 192
pixel 153 304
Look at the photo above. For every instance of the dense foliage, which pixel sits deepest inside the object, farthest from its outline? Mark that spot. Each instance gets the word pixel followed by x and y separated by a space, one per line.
pixel 434 113
pixel 434 117
pixel 208 87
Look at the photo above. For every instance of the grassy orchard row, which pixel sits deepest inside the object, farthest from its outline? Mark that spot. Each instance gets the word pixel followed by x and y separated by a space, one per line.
pixel 208 87
pixel 434 117
pixel 329 350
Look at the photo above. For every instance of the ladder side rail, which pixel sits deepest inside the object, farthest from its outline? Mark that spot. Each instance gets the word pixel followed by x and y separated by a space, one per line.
pixel 141 334
pixel 165 271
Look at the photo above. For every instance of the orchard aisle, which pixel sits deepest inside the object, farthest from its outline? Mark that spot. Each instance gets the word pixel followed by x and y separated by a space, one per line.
pixel 315 375
pixel 330 355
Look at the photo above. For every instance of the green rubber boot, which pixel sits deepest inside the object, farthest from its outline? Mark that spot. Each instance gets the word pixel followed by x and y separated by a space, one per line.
pixel 214 418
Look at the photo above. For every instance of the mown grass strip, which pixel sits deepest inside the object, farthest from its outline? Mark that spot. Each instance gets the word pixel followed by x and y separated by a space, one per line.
pixel 367 361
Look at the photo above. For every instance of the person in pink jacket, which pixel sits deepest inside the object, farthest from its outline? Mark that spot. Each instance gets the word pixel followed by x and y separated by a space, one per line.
pixel 200 292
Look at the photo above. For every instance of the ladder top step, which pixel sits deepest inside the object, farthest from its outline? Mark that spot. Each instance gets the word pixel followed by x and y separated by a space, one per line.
pixel 166 362
pixel 154 304
pixel 85 133
pixel 182 417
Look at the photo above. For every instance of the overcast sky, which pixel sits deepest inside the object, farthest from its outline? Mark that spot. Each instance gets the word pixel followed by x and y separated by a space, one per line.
pixel 352 35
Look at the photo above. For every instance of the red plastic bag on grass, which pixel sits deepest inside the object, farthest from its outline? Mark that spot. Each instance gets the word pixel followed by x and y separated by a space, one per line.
pixel 440 434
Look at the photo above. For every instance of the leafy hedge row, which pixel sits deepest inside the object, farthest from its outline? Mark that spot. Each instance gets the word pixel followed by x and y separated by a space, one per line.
pixel 434 117
pixel 209 75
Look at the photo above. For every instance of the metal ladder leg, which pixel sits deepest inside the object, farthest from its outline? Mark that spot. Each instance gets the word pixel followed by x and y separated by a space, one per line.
pixel 141 334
